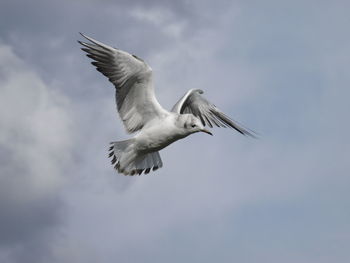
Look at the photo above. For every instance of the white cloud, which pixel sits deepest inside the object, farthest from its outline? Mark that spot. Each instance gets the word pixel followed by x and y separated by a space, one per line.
pixel 36 138
pixel 36 122
pixel 162 18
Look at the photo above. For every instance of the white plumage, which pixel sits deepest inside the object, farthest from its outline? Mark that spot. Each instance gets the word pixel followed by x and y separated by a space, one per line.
pixel 140 110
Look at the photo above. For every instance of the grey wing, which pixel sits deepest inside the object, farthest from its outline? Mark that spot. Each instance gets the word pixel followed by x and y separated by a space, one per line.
pixel 132 78
pixel 193 102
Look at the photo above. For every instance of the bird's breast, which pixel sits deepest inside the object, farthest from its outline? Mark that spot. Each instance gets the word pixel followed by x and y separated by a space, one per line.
pixel 157 137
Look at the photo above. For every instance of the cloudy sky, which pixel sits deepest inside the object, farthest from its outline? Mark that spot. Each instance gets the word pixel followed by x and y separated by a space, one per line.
pixel 279 67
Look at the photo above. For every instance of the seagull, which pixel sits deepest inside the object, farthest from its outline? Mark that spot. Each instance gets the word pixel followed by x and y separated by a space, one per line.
pixel 140 111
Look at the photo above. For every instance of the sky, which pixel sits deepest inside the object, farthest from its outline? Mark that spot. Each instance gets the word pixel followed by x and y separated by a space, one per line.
pixel 278 67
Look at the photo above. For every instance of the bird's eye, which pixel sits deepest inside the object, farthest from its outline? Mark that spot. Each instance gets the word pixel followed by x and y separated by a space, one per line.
pixel 193 125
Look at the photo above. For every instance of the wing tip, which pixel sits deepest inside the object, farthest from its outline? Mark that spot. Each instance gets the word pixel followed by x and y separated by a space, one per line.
pixel 85 36
pixel 81 42
pixel 252 134
pixel 245 131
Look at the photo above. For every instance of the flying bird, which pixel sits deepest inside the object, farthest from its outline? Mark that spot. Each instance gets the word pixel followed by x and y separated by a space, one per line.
pixel 141 112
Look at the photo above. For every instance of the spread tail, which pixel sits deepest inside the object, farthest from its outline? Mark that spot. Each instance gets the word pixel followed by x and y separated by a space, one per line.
pixel 127 162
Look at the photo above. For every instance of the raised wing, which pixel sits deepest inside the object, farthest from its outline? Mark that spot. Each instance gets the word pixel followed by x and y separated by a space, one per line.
pixel 132 78
pixel 192 102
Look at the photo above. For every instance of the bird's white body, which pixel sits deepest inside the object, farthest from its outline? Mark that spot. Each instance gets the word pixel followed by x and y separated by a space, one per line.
pixel 141 112
pixel 159 134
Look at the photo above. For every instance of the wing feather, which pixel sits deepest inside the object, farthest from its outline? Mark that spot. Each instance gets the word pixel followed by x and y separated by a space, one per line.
pixel 133 81
pixel 193 102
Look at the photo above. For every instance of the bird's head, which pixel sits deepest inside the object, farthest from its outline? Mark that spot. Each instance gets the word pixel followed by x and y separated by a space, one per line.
pixel 191 124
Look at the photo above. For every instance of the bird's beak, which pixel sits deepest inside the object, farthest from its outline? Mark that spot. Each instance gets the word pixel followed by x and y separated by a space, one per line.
pixel 206 131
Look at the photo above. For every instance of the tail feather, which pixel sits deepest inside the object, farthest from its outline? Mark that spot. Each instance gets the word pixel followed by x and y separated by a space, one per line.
pixel 127 162
pixel 146 163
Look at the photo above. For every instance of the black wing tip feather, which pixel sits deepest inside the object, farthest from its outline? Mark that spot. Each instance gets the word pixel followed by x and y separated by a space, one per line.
pixel 233 124
pixel 85 36
pixel 252 134
pixel 244 131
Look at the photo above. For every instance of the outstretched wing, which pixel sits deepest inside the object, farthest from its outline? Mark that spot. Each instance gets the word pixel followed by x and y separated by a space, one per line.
pixel 192 102
pixel 132 78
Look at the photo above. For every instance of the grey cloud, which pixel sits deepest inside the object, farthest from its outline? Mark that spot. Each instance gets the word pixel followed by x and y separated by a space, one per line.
pixel 32 158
